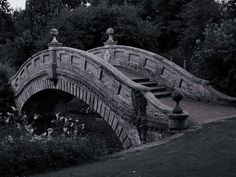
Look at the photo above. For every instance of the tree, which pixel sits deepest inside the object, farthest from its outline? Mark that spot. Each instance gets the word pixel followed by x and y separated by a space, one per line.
pixel 5 6
pixel 6 22
pixel 219 55
pixel 116 2
pixel 38 13
pixel 29 26
pixel 72 4
pixel 84 27
pixel 196 15
pixel 6 96
pixel 165 14
pixel 230 9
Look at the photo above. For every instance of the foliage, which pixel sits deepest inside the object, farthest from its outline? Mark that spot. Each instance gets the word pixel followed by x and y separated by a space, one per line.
pixel 229 9
pixel 170 28
pixel 85 27
pixel 196 16
pixel 71 4
pixel 219 55
pixel 166 15
pixel 4 6
pixel 51 150
pixel 6 22
pixel 6 96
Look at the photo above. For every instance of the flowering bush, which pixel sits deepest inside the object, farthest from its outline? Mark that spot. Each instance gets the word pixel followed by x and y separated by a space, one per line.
pixel 65 143
pixel 66 126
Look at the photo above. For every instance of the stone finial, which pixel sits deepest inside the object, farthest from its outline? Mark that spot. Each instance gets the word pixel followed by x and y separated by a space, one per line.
pixel 110 41
pixel 54 43
pixel 177 118
pixel 177 97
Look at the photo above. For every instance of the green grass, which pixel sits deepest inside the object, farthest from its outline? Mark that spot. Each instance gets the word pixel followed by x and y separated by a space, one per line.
pixel 207 152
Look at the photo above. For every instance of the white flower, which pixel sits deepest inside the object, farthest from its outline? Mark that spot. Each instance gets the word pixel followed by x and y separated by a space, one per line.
pixel 31 131
pixel 36 116
pixel 18 126
pixel 10 138
pixel 64 129
pixel 57 116
pixel 37 137
pixel 9 114
pixel 44 134
pixel 50 130
pixel 75 132
pixel 7 120
pixel 13 108
pixel 61 118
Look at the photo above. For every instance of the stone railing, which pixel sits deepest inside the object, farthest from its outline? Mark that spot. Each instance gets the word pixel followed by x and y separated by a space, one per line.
pixel 101 76
pixel 158 68
pixel 70 70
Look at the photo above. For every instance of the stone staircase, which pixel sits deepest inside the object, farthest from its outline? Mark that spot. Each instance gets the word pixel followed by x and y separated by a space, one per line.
pixel 159 90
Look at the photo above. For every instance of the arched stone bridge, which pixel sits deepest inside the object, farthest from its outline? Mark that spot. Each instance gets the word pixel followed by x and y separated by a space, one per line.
pixel 162 70
pixel 119 100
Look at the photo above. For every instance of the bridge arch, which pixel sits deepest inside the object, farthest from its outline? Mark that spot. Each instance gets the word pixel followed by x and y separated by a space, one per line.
pixel 88 78
pixel 162 70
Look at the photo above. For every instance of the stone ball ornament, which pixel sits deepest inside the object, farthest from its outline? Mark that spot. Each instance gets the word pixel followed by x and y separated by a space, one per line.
pixel 177 96
pixel 54 32
pixel 54 43
pixel 177 118
pixel 110 41
pixel 110 31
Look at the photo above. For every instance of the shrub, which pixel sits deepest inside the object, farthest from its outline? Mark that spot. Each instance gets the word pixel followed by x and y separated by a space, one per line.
pixel 6 95
pixel 22 152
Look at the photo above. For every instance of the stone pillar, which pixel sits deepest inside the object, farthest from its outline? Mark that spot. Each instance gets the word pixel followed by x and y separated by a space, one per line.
pixel 52 72
pixel 177 118
pixel 110 42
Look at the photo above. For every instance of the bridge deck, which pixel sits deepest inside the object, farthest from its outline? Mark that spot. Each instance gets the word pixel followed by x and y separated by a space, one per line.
pixel 200 112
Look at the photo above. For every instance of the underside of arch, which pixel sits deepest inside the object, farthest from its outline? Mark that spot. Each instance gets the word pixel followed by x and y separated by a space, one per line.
pixel 126 133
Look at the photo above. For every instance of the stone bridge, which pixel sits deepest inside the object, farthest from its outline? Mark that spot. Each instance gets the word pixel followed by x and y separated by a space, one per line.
pixel 92 76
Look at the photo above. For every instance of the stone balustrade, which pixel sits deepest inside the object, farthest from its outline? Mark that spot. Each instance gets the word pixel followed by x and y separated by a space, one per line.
pixel 159 69
pixel 89 78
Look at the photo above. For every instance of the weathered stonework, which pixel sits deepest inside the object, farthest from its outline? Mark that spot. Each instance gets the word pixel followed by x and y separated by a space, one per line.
pixel 159 69
pixel 79 73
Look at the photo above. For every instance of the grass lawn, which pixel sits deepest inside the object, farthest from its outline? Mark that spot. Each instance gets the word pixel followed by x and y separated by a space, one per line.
pixel 207 152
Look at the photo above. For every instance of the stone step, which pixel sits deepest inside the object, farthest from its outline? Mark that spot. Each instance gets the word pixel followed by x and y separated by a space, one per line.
pixel 149 84
pixel 138 80
pixel 158 89
pixel 162 94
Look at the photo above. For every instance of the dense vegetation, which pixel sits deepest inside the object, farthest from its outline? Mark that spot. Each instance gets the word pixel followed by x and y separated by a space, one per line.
pixel 26 148
pixel 178 29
